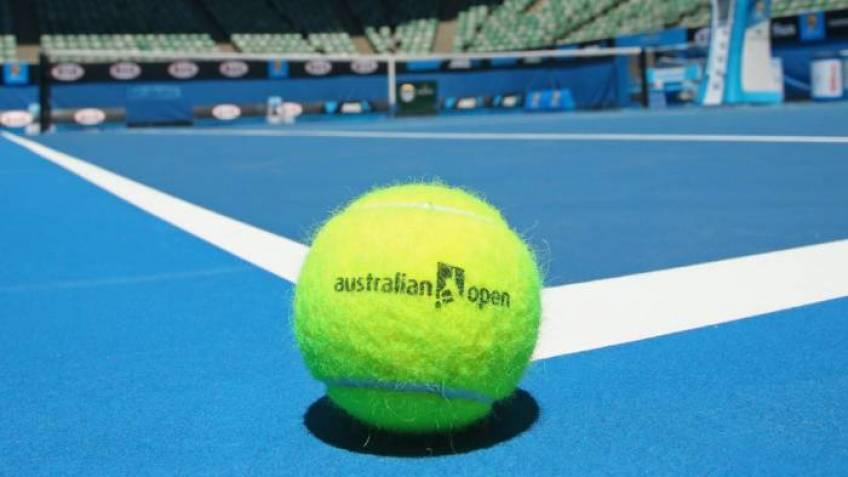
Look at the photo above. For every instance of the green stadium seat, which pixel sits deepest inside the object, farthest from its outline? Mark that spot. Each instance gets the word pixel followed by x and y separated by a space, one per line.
pixel 396 26
pixel 8 48
pixel 415 24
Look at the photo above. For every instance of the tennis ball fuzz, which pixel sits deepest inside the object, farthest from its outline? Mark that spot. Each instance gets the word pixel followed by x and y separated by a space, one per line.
pixel 418 307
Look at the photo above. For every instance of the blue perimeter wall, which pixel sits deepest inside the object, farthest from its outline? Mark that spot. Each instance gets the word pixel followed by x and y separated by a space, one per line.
pixel 796 64
pixel 587 89
pixel 17 97
pixel 596 85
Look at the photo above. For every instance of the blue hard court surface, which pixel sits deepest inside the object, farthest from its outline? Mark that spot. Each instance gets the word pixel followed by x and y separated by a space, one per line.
pixel 132 348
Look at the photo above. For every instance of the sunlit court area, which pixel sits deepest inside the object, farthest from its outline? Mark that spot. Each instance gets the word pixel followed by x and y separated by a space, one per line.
pixel 423 237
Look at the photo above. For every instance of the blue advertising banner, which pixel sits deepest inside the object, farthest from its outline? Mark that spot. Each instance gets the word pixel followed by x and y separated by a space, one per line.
pixel 15 74
pixel 278 69
pixel 812 26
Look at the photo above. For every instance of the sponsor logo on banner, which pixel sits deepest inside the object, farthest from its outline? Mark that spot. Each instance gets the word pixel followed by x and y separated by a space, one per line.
pixel 125 71
pixel 318 67
pixel 16 119
pixel 352 108
pixel 89 117
pixel 16 73
pixel 466 103
pixel 460 64
pixel 702 37
pixel 407 92
pixel 226 112
pixel 292 110
pixel 67 72
pixel 183 69
pixel 812 26
pixel 784 29
pixel 278 69
pixel 364 67
pixel 510 101
pixel 837 23
pixel 234 69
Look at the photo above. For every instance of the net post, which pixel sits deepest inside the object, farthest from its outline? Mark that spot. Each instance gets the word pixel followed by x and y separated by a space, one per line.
pixel 392 73
pixel 44 114
pixel 643 71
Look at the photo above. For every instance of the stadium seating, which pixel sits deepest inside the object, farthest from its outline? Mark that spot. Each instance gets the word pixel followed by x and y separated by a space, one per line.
pixel 152 25
pixel 8 48
pixel 417 22
pixel 376 23
pixel 793 7
pixel 400 26
pixel 515 25
pixel 633 16
pixel 523 24
pixel 327 26
pixel 469 20
pixel 255 26
pixel 321 23
pixel 271 43
pixel 188 42
pixel 698 15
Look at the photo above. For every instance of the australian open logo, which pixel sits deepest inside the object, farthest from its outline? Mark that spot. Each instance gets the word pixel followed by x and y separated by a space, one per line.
pixel 234 69
pixel 450 286
pixel 407 92
pixel 125 71
pixel 67 72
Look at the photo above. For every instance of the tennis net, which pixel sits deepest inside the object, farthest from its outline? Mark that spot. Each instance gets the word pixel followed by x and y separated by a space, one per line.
pixel 93 88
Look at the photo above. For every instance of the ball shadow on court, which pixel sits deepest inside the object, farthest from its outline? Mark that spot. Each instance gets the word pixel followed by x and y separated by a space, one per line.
pixel 509 419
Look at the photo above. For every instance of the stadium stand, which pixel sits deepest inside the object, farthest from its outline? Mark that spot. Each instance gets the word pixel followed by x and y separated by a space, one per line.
pixel 8 48
pixel 376 24
pixel 320 22
pixel 152 25
pixel 8 45
pixel 271 43
pixel 794 7
pixel 470 18
pixel 512 25
pixel 330 26
pixel 698 15
pixel 254 26
pixel 524 24
pixel 417 21
pixel 634 16
pixel 401 26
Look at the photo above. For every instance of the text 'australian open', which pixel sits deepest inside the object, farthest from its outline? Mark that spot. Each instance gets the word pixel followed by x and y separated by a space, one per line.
pixel 449 286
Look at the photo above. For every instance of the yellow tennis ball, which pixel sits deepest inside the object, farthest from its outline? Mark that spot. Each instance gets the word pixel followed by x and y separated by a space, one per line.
pixel 418 307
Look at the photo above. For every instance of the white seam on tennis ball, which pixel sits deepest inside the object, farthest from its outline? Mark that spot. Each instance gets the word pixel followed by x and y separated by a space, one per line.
pixel 426 206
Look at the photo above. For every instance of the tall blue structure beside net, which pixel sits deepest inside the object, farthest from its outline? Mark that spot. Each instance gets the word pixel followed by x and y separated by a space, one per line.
pixel 740 68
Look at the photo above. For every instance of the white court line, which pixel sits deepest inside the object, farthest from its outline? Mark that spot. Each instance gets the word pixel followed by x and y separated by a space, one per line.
pixel 577 317
pixel 601 313
pixel 278 255
pixel 475 136
pixel 123 280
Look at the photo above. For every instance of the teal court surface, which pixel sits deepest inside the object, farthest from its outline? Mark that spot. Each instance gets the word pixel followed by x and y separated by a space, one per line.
pixel 696 309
